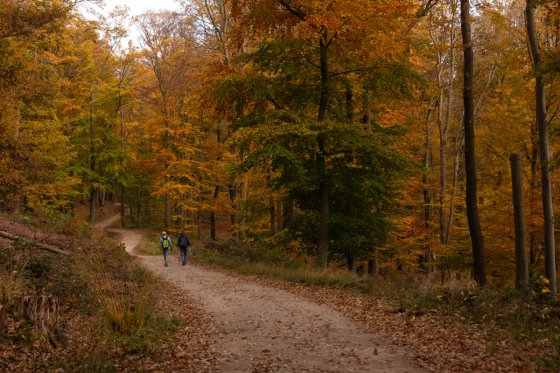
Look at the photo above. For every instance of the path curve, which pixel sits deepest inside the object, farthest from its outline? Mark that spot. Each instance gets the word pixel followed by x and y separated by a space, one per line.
pixel 263 329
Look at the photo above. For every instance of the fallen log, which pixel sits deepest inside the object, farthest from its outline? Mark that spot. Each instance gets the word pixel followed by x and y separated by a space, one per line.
pixel 41 245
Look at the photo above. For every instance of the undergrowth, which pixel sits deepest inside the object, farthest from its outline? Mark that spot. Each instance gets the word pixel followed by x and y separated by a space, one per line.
pixel 106 299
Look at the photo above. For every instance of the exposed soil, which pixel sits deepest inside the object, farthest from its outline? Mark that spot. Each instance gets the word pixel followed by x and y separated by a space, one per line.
pixel 261 328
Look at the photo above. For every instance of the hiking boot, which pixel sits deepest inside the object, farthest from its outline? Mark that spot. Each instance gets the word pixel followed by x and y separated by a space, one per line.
pixel 166 264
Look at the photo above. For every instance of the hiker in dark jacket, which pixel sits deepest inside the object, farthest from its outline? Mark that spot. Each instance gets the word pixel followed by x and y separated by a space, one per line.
pixel 183 243
pixel 165 246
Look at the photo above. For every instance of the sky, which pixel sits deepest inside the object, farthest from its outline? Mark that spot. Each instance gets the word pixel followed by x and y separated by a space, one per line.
pixel 136 7
pixel 140 6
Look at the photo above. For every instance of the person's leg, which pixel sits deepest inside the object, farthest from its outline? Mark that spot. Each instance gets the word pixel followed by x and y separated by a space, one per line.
pixel 186 254
pixel 166 257
pixel 183 255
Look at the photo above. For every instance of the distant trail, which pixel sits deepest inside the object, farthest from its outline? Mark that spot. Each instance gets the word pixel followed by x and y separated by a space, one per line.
pixel 263 329
pixel 103 224
pixel 130 238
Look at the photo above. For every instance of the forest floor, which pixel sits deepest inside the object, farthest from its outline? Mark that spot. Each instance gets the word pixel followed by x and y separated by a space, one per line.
pixel 227 321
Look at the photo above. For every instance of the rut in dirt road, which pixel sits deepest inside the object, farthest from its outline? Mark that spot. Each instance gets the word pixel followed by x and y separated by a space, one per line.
pixel 266 329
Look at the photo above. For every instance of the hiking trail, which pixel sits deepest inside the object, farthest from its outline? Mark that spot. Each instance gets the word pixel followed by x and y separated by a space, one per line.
pixel 264 329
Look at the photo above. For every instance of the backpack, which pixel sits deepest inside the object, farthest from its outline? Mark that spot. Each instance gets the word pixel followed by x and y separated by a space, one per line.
pixel 184 240
pixel 165 243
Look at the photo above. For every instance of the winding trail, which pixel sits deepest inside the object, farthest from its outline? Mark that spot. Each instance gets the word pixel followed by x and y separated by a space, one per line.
pixel 263 329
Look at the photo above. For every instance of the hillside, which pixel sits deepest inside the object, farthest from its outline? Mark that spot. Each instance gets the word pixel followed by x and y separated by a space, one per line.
pixel 109 318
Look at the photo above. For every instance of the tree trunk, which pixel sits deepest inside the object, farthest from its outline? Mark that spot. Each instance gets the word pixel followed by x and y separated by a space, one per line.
pixel 122 207
pixel 373 264
pixel 534 156
pixel 366 118
pixel 213 214
pixel 199 224
pixel 456 164
pixel 544 152
pixel 427 192
pixel 279 218
pixel 232 190
pixel 286 214
pixel 321 158
pixel 479 263
pixel 92 206
pixel 272 213
pixel 522 269
pixel 92 158
pixel 350 261
pixel 349 103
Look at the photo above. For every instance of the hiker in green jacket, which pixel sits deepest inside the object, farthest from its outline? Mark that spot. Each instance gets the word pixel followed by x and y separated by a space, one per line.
pixel 165 246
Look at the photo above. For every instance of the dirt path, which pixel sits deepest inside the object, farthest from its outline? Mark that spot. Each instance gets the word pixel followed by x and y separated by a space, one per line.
pixel 262 329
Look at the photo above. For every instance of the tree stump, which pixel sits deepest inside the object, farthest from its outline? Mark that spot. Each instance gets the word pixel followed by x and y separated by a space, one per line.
pixel 42 311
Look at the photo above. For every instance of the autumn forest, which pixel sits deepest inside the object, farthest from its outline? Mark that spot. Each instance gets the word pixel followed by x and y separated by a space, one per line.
pixel 372 134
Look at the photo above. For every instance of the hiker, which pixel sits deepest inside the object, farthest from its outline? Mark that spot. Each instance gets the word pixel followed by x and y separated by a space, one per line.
pixel 183 243
pixel 165 246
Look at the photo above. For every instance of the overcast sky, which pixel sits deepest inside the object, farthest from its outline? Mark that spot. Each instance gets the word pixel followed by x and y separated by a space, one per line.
pixel 136 7
pixel 140 6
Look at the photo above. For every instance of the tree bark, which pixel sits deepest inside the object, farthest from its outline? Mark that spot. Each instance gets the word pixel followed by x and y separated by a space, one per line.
pixel 522 269
pixel 92 206
pixel 213 214
pixel 349 103
pixel 321 158
pixel 92 158
pixel 233 217
pixel 427 190
pixel 479 262
pixel 544 152
pixel 373 263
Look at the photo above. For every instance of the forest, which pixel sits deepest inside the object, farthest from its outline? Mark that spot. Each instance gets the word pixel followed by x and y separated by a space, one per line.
pixel 334 133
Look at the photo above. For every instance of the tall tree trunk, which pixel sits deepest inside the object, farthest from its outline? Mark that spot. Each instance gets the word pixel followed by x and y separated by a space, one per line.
pixel 199 224
pixel 522 270
pixel 533 239
pixel 349 103
pixel 213 214
pixel 428 249
pixel 479 262
pixel 279 218
pixel 121 164
pixel 456 164
pixel 321 158
pixel 373 263
pixel 444 131
pixel 122 207
pixel 544 152
pixel 272 213
pixel 232 190
pixel 286 213
pixel 92 157
pixel 167 211
pixel 366 117
pixel 92 206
